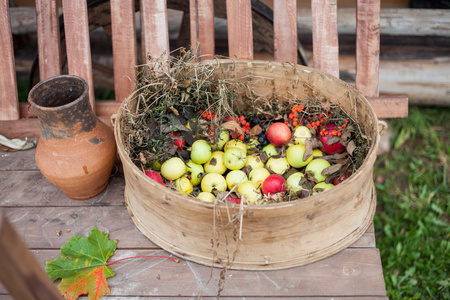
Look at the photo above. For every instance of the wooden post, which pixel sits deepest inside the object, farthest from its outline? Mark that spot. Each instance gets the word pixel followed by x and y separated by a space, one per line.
pixel 325 36
pixel 20 273
pixel 9 101
pixel 76 27
pixel 124 47
pixel 202 27
pixel 48 38
pixel 240 29
pixel 285 31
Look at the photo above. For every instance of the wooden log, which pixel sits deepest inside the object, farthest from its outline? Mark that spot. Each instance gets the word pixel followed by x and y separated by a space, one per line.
pixel 202 27
pixel 325 36
pixel 9 101
pixel 240 29
pixel 48 39
pixel 367 46
pixel 21 274
pixel 285 31
pixel 124 47
pixel 76 28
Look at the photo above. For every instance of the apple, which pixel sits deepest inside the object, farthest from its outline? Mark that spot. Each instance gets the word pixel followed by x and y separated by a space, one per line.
pixel 254 161
pixel 278 134
pixel 196 171
pixel 249 190
pixel 235 158
pixel 278 165
pixel 184 185
pixel 321 186
pixel 333 148
pixel 179 141
pixel 156 165
pixel 270 150
pixel 233 200
pixel 301 133
pixel 206 196
pixel 215 164
pixel 252 144
pixel 173 168
pixel 258 175
pixel 294 156
pixel 235 177
pixel 317 153
pixel 235 144
pixel 224 137
pixel 316 166
pixel 200 152
pixel 213 181
pixel 155 176
pixel 274 184
pixel 293 182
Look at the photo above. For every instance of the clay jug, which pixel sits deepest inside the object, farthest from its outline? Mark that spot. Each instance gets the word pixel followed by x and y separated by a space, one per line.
pixel 76 151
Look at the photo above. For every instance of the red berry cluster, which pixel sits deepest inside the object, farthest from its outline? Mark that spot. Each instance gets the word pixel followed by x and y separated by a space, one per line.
pixel 336 132
pixel 294 115
pixel 208 114
pixel 245 127
pixel 317 120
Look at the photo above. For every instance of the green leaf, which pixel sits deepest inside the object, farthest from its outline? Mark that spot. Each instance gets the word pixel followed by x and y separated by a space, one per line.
pixel 80 254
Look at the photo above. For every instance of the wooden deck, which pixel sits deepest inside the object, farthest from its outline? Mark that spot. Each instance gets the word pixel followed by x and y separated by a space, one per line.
pixel 47 219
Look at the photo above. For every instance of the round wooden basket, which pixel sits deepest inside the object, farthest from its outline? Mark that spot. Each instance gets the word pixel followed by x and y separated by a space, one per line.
pixel 270 237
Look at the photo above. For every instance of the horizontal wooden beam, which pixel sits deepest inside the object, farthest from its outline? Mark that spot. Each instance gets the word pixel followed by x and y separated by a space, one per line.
pixel 390 106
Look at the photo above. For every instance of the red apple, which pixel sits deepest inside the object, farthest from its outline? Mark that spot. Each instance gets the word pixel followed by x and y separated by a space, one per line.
pixel 155 176
pixel 233 200
pixel 179 141
pixel 333 148
pixel 278 134
pixel 341 178
pixel 274 184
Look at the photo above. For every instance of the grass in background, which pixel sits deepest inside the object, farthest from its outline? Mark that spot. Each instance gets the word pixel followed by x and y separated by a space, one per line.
pixel 413 214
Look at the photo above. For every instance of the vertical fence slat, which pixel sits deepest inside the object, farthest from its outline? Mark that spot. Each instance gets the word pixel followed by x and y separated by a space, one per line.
pixel 76 28
pixel 202 27
pixel 48 38
pixel 367 47
pixel 124 47
pixel 285 30
pixel 240 29
pixel 9 101
pixel 155 28
pixel 325 36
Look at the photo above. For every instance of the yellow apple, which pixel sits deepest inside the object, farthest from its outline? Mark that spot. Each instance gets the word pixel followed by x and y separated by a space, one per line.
pixel 249 190
pixel 200 152
pixel 278 165
pixel 254 161
pixel 235 177
pixel 196 171
pixel 184 185
pixel 173 168
pixel 213 181
pixel 234 158
pixel 235 144
pixel 206 196
pixel 215 164
pixel 258 176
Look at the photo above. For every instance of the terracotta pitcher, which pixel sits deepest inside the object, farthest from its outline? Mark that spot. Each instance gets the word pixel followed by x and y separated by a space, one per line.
pixel 76 151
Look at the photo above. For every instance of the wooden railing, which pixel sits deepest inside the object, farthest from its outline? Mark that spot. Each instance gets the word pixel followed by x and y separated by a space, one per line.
pixel 15 118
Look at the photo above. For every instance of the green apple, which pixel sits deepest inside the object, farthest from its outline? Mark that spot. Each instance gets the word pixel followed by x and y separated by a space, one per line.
pixel 322 186
pixel 252 144
pixel 235 158
pixel 278 165
pixel 215 163
pixel 173 168
pixel 214 181
pixel 235 177
pixel 200 152
pixel 206 196
pixel 196 171
pixel 184 185
pixel 235 144
pixel 317 153
pixel 258 176
pixel 301 133
pixel 294 156
pixel 249 190
pixel 254 161
pixel 316 166
pixel 270 150
pixel 224 137
pixel 293 182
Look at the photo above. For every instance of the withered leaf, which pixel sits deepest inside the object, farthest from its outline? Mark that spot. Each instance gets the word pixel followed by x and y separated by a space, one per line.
pixel 289 173
pixel 153 128
pixel 345 136
pixel 173 109
pixel 233 126
pixel 264 157
pixel 331 169
pixel 311 177
pixel 303 193
pixel 255 130
pixel 247 169
pixel 315 143
pixel 325 103
pixel 188 137
pixel 351 147
pixel 213 161
pixel 334 139
pixel 308 150
pixel 146 156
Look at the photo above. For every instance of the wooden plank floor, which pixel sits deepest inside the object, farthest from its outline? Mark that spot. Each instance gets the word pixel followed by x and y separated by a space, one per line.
pixel 38 210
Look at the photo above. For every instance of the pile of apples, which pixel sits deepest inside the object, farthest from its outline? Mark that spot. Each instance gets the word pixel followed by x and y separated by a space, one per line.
pixel 265 161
